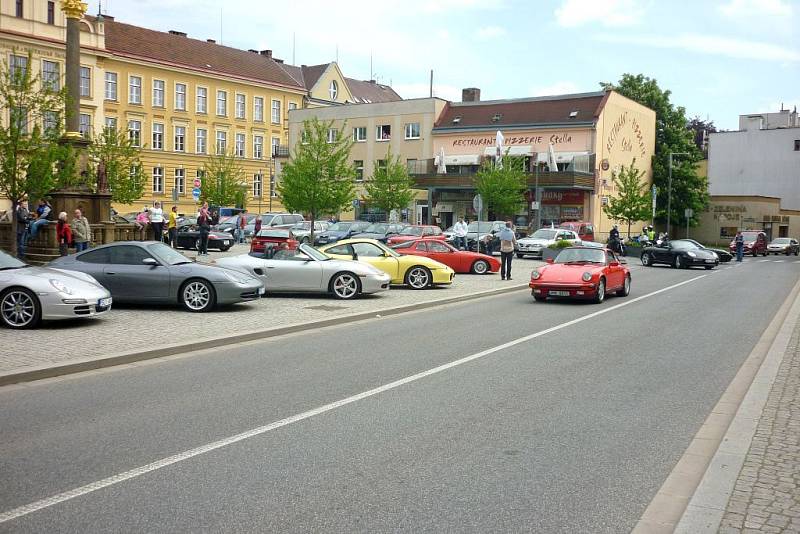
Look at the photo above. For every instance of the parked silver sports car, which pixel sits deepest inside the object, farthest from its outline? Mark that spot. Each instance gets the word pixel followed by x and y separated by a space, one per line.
pixel 30 294
pixel 147 271
pixel 309 270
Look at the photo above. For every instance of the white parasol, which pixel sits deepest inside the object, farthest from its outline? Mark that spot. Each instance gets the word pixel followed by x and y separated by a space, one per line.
pixel 551 163
pixel 441 168
pixel 498 142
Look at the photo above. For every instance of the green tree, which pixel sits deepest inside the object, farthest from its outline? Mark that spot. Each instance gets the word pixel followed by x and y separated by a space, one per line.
pixel 319 179
pixel 224 182
pixel 689 190
pixel 502 186
pixel 633 203
pixel 391 188
pixel 115 151
pixel 32 162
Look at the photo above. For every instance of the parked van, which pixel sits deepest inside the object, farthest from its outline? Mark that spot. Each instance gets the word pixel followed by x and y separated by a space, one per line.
pixel 584 230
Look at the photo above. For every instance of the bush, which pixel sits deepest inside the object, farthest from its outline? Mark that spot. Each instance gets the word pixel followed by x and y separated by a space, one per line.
pixel 562 244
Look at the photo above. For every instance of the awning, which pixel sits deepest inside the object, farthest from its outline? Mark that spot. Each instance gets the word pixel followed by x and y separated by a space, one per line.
pixel 561 157
pixel 463 159
pixel 525 150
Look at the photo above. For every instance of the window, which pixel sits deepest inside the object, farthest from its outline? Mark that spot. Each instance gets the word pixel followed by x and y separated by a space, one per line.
pixel 240 140
pixel 333 133
pixel 258 146
pixel 292 105
pixel 222 142
pixel 436 246
pixel 158 136
pixel 258 109
pixel 51 12
pixel 111 123
pixel 50 122
pixel 797 145
pixel 412 130
pixel 135 90
pixel 158 93
pixel 367 250
pixel 86 82
pixel 239 108
pixel 111 85
pixel 276 112
pixel 421 246
pixel 333 89
pixel 180 139
pixel 128 255
pixel 359 166
pixel 201 141
pixel 258 185
pixel 382 164
pixel 135 173
pixel 51 75
pixel 100 255
pixel 180 96
pixel 383 132
pixel 273 191
pixel 222 103
pixel 304 137
pixel 360 134
pixel 135 132
pixel 158 180
pixel 18 66
pixel 19 9
pixel 202 100
pixel 19 115
pixel 180 181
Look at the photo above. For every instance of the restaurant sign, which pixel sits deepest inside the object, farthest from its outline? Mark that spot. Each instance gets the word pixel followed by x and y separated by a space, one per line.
pixel 566 196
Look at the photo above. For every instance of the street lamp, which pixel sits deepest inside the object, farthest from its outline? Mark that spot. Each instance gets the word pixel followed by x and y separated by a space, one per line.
pixel 669 186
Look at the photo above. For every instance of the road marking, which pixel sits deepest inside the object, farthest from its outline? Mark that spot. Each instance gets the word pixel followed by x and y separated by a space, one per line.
pixel 762 261
pixel 219 444
pixel 777 261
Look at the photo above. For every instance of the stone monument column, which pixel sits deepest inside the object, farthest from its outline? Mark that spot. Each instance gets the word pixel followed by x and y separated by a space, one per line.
pixel 74 10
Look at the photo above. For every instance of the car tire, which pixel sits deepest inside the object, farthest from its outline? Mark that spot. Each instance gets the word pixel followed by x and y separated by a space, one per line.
pixel 197 295
pixel 626 287
pixel 345 286
pixel 600 296
pixel 539 298
pixel 520 256
pixel 20 308
pixel 647 259
pixel 224 249
pixel 755 254
pixel 678 263
pixel 197 244
pixel 419 277
pixel 480 267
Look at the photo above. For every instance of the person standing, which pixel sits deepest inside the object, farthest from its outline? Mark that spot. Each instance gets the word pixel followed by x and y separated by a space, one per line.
pixel 81 231
pixel 63 233
pixel 23 218
pixel 257 225
pixel 157 221
pixel 508 243
pixel 739 242
pixel 204 225
pixel 172 227
pixel 242 223
pixel 43 212
pixel 460 231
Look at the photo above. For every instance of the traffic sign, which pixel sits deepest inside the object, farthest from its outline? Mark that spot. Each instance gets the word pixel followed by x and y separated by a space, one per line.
pixel 197 182
pixel 355 202
pixel 477 204
pixel 196 193
pixel 688 212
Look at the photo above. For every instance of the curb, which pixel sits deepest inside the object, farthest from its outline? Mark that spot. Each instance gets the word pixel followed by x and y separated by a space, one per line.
pixel 693 498
pixel 39 372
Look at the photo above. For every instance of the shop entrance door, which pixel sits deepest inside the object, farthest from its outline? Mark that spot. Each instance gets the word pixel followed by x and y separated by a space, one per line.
pixel 422 214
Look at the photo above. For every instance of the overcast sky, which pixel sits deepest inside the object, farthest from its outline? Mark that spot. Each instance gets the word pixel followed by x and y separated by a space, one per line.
pixel 720 58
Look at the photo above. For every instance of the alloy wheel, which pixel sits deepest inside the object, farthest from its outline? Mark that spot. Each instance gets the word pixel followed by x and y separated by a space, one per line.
pixel 345 286
pixel 678 263
pixel 480 267
pixel 601 292
pixel 197 295
pixel 646 260
pixel 418 277
pixel 19 309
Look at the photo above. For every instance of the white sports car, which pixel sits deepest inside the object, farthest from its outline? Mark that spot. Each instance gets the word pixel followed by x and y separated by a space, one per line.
pixel 30 294
pixel 543 238
pixel 309 270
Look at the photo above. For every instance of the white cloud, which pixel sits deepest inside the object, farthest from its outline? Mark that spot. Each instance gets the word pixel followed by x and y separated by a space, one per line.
pixel 422 90
pixel 711 45
pixel 557 88
pixel 609 13
pixel 490 32
pixel 756 8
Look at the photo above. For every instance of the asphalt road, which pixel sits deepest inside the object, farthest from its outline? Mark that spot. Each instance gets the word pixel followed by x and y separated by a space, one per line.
pixel 572 429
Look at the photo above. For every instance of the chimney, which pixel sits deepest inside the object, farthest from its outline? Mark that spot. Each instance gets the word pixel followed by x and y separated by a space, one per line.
pixel 471 94
pixel 267 53
pixel 212 41
pixel 278 60
pixel 176 32
pixel 372 81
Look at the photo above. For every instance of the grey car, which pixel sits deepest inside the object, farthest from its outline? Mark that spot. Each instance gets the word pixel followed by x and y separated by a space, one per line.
pixel 30 294
pixel 302 230
pixel 151 272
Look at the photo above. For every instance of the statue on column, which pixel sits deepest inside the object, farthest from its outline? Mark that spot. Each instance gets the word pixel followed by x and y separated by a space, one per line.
pixel 102 179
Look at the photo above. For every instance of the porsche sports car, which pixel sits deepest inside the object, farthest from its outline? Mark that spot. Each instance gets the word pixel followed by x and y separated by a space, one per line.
pixel 151 272
pixel 417 231
pixel 340 230
pixel 581 273
pixel 723 255
pixel 416 272
pixel 29 295
pixel 461 261
pixel 680 254
pixel 308 270
pixel 188 237
pixel 542 238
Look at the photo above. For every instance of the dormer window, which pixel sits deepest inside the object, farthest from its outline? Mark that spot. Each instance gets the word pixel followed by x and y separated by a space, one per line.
pixel 457 119
pixel 573 114
pixel 497 117
pixel 333 90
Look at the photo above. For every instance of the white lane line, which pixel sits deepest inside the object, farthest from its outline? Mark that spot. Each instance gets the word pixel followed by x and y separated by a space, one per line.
pixel 762 261
pixel 191 453
pixel 777 261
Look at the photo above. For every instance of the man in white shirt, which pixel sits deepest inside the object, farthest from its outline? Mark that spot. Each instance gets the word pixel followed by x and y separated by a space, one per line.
pixel 460 231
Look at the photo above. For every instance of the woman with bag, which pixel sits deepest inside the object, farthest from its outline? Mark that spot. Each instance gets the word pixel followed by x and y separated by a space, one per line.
pixel 63 233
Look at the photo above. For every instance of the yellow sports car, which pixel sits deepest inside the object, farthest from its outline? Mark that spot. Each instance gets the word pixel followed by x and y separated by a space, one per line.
pixel 414 271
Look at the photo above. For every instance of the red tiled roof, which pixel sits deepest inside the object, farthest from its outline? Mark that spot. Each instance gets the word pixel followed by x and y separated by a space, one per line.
pixel 177 50
pixel 371 91
pixel 523 111
pixel 312 74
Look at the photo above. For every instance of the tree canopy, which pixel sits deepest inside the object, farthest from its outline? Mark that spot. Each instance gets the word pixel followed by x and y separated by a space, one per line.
pixel 502 186
pixel 223 182
pixel 390 188
pixel 114 151
pixel 633 203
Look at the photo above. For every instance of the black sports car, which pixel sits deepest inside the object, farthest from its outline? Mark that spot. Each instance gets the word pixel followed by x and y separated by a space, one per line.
pixel 680 254
pixel 189 237
pixel 724 255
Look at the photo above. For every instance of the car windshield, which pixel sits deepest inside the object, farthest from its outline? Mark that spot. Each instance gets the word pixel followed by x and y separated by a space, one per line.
pixel 781 241
pixel 228 219
pixel 283 234
pixel 544 233
pixel 681 244
pixel 340 227
pixel 479 227
pixel 581 255
pixel 308 250
pixel 167 254
pixel 749 238
pixel 8 261
pixel 266 219
pixel 377 228
pixel 411 230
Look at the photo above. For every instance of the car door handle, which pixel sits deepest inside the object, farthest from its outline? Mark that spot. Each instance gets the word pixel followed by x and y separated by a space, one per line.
pixel 111 272
pixel 270 266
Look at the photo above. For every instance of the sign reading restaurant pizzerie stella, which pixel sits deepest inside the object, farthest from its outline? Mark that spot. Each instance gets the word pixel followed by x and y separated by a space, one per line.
pixel 618 130
pixel 556 139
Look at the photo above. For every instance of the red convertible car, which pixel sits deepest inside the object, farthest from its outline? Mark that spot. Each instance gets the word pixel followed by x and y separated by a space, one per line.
pixel 461 261
pixel 582 273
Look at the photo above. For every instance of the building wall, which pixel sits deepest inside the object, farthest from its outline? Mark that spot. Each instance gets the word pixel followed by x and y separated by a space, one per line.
pixel 321 89
pixel 728 214
pixel 756 162
pixel 475 143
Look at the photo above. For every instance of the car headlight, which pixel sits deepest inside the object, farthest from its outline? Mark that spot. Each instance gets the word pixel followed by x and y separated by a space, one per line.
pixel 536 275
pixel 586 276
pixel 233 277
pixel 715 255
pixel 59 285
pixel 691 254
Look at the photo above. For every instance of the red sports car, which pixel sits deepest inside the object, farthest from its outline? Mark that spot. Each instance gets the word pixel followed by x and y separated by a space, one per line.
pixel 277 238
pixel 417 231
pixel 461 261
pixel 582 273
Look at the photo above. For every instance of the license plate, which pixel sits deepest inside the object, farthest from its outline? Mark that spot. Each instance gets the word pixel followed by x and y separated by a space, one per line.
pixel 104 303
pixel 261 290
pixel 559 293
pixel 709 261
pixel 226 242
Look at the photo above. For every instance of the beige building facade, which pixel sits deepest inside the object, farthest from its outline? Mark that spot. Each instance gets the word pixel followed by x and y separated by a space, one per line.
pixel 728 214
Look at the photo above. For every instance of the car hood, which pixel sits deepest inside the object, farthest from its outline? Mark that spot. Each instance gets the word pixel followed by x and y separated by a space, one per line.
pixel 535 241
pixel 705 254
pixel 559 272
pixel 75 279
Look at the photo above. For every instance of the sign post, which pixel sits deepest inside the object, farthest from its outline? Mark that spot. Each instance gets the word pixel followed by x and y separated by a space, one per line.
pixel 688 212
pixel 655 194
pixel 477 205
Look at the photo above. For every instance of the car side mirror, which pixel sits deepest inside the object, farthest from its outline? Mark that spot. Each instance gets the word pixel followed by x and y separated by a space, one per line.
pixel 355 256
pixel 150 261
pixel 549 260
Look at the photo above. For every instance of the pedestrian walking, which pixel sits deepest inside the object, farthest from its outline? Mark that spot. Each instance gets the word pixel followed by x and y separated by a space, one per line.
pixel 508 243
pixel 739 242
pixel 43 214
pixel 157 221
pixel 460 231
pixel 23 218
pixel 81 231
pixel 204 225
pixel 172 227
pixel 257 225
pixel 63 233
